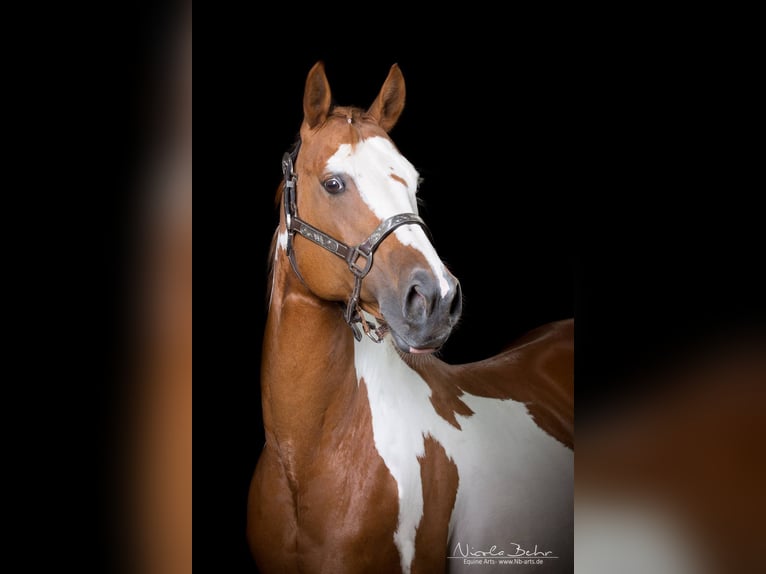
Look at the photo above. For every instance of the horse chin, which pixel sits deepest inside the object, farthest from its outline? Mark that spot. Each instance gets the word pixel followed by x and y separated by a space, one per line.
pixel 411 340
pixel 413 348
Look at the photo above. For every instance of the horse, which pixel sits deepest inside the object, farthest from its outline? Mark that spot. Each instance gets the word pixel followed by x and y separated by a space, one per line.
pixel 379 456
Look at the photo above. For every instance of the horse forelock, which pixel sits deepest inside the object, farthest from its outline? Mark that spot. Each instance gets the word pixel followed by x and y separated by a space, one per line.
pixel 344 125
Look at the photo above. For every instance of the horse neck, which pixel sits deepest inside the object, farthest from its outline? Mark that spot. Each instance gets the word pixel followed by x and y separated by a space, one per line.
pixel 308 379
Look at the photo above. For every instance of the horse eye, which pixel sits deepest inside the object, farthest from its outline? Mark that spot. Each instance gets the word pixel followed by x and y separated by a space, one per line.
pixel 333 184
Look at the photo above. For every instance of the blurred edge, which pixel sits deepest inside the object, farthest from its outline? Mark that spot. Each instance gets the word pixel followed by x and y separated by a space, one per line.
pixel 156 522
pixel 670 480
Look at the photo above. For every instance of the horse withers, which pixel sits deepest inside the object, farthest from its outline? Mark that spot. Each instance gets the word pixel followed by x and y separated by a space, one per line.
pixel 380 457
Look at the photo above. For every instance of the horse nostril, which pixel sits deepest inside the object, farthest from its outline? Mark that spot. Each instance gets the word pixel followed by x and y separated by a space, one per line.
pixel 424 303
pixel 415 303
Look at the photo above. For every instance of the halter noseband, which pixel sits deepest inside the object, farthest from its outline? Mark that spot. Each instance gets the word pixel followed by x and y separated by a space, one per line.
pixel 358 258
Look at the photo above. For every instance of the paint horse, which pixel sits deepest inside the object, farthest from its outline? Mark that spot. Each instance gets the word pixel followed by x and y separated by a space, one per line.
pixel 379 457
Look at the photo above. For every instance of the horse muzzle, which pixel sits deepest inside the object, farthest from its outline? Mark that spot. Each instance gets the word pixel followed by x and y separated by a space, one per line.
pixel 421 318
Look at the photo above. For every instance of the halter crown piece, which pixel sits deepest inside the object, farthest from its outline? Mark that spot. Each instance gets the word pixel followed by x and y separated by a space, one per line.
pixel 359 258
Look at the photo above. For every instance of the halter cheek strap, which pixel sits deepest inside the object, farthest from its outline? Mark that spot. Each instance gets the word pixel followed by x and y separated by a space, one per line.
pixel 359 258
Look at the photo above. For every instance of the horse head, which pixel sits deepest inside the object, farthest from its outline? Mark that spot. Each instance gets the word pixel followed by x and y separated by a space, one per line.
pixel 356 195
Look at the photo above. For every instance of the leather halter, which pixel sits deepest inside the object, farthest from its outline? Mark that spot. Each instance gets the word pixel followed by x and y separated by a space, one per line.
pixel 359 258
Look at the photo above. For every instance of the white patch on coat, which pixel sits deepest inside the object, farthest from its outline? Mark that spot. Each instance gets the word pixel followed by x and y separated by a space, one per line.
pixel 281 245
pixel 515 480
pixel 371 163
pixel 281 241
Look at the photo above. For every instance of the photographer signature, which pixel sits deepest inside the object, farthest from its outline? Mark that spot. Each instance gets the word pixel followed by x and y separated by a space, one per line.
pixel 516 550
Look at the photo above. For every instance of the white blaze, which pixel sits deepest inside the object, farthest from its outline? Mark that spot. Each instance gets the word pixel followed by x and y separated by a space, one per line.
pixel 372 163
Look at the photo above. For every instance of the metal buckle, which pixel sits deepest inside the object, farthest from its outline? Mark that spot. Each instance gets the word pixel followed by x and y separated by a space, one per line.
pixel 289 189
pixel 287 166
pixel 360 326
pixel 357 330
pixel 353 257
pixel 373 333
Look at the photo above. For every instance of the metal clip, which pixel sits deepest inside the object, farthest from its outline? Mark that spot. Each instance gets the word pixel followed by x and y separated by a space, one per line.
pixel 287 166
pixel 356 330
pixel 353 256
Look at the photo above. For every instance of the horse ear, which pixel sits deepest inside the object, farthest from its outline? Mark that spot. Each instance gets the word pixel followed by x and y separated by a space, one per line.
pixel 316 98
pixel 389 104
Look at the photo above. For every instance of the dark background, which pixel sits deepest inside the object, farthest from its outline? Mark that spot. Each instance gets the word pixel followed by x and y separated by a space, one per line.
pixel 608 182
